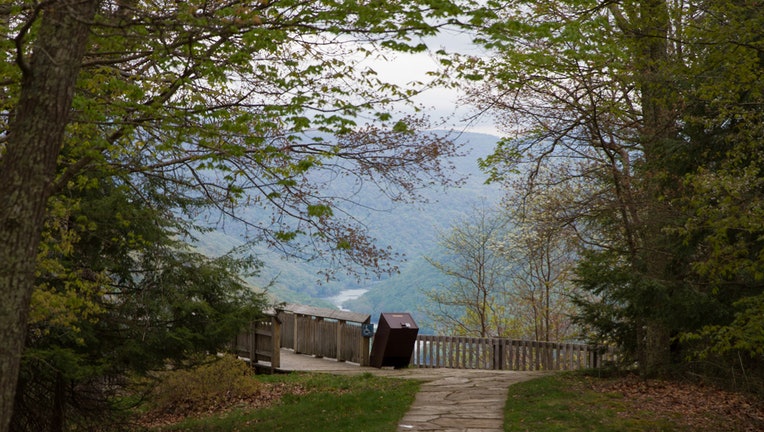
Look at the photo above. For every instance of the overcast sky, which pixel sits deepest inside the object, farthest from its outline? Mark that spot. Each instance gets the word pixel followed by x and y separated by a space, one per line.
pixel 439 102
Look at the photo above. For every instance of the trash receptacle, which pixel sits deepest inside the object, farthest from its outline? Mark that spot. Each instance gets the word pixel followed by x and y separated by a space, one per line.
pixel 394 340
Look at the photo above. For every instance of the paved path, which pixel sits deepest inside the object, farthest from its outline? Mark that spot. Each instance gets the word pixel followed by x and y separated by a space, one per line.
pixel 450 400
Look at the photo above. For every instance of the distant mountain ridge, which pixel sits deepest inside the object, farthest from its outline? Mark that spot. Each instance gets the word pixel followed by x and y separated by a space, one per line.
pixel 410 229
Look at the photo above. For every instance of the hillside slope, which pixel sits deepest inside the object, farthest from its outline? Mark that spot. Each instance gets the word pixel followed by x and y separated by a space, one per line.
pixel 410 229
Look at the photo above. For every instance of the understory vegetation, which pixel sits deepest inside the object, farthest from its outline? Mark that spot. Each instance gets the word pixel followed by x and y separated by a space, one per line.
pixel 626 402
pixel 227 396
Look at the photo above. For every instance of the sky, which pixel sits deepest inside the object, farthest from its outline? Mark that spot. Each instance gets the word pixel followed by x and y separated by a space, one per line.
pixel 439 102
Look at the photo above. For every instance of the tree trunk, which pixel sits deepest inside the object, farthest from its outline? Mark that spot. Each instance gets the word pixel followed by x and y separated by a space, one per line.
pixel 656 355
pixel 648 28
pixel 57 413
pixel 28 166
pixel 658 128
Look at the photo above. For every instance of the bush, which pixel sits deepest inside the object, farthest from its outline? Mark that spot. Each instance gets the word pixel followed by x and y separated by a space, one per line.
pixel 220 383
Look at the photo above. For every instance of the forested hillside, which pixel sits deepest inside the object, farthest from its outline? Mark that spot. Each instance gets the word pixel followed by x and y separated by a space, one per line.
pixel 410 229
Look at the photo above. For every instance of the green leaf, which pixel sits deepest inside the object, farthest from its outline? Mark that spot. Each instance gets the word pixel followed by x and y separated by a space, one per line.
pixel 319 210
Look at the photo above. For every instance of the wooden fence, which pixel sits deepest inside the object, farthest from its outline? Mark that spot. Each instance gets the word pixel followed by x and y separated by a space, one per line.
pixel 504 354
pixel 338 334
pixel 261 342
pixel 307 330
pixel 325 333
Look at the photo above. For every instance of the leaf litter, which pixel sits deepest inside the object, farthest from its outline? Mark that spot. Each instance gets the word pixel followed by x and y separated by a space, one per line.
pixel 266 395
pixel 694 406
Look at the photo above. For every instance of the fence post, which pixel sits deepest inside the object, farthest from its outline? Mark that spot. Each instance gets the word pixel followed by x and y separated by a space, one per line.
pixel 340 329
pixel 252 343
pixel 365 353
pixel 275 342
pixel 317 347
pixel 498 354
pixel 296 333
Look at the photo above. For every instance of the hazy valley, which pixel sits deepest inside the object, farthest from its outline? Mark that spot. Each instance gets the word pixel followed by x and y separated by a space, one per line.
pixel 410 229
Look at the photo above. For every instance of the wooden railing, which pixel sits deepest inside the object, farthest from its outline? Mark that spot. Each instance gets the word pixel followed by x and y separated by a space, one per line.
pixel 307 330
pixel 325 333
pixel 261 342
pixel 504 354
pixel 338 334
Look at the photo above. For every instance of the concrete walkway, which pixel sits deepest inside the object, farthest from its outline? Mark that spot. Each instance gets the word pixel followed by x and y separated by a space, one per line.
pixel 451 400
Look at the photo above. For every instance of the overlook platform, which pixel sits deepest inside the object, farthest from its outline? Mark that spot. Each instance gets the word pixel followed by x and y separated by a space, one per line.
pixel 465 380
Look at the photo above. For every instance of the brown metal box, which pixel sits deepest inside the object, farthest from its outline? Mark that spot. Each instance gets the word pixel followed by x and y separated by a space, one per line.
pixel 394 340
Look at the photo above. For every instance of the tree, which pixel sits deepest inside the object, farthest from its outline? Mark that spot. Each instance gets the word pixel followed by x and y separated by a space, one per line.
pixel 207 102
pixel 725 201
pixel 33 139
pixel 575 81
pixel 542 249
pixel 117 295
pixel 653 107
pixel 510 271
pixel 471 304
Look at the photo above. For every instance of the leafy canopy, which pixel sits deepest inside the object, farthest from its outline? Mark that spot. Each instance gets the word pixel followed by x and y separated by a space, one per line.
pixel 223 104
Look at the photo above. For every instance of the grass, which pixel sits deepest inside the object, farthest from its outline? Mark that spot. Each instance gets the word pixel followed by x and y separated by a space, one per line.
pixel 227 399
pixel 562 402
pixel 328 403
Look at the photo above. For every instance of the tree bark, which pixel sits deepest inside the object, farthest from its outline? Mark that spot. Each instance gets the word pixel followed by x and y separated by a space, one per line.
pixel 57 413
pixel 28 167
pixel 658 127
pixel 648 27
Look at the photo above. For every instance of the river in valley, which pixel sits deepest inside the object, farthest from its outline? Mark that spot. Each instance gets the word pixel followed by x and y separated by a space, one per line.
pixel 345 295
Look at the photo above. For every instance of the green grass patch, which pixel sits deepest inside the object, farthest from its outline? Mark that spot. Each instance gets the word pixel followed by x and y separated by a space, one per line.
pixel 322 402
pixel 564 402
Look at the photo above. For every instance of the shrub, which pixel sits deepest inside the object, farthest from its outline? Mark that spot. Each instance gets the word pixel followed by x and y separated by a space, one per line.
pixel 219 383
